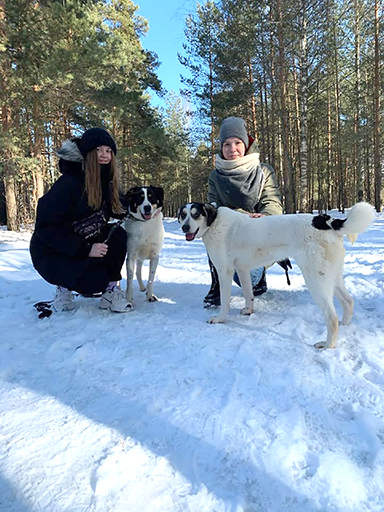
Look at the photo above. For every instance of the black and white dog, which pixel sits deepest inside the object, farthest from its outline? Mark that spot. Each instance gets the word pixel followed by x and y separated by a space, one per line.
pixel 145 230
pixel 235 241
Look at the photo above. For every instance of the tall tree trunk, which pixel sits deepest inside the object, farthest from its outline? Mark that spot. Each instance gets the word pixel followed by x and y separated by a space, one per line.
pixel 273 136
pixel 356 120
pixel 367 143
pixel 289 192
pixel 9 177
pixel 263 116
pixel 341 184
pixel 38 144
pixel 376 128
pixel 253 101
pixel 212 116
pixel 300 191
pixel 303 104
pixel 330 183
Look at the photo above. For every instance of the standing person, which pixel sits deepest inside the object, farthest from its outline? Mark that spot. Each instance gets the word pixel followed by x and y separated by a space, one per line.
pixel 70 246
pixel 241 182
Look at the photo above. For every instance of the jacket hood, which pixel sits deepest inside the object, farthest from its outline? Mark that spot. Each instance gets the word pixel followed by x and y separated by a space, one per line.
pixel 71 160
pixel 70 151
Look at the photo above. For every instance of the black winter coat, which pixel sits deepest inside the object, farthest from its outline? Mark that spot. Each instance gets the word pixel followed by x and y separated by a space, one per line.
pixel 58 253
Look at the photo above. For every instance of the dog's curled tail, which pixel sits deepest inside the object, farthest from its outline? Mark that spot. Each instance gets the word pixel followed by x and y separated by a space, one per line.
pixel 357 221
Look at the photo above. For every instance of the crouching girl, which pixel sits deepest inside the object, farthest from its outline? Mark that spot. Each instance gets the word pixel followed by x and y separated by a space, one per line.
pixel 72 246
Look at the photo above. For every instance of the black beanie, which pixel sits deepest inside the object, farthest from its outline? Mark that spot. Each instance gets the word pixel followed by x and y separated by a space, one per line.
pixel 93 138
pixel 233 127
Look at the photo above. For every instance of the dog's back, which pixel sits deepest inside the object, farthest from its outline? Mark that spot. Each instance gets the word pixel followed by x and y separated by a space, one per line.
pixel 272 238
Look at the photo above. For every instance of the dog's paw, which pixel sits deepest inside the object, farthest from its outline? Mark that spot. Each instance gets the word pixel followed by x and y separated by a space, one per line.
pixel 143 288
pixel 153 298
pixel 321 345
pixel 215 320
pixel 247 311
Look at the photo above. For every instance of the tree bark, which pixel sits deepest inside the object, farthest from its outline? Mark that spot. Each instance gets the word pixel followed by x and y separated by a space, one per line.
pixel 9 177
pixel 289 192
pixel 358 168
pixel 376 128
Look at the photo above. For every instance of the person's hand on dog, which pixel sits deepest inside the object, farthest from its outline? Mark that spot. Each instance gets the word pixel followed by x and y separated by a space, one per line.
pixel 98 250
pixel 256 215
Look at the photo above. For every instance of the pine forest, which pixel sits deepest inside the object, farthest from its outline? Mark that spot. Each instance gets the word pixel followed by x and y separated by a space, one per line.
pixel 306 75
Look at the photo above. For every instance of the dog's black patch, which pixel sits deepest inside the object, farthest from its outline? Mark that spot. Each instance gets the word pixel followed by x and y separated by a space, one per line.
pixel 320 222
pixel 197 210
pixel 135 196
pixel 337 224
pixel 211 213
pixel 156 195
pixel 181 213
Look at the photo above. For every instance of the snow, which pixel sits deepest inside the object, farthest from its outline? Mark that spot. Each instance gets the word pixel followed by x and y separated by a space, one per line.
pixel 156 410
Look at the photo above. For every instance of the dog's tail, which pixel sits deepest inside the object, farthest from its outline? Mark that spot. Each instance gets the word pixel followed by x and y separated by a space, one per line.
pixel 358 219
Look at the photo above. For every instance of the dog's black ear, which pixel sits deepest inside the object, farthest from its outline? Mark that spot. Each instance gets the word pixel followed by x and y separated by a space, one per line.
pixel 210 212
pixel 132 191
pixel 159 194
pixel 179 211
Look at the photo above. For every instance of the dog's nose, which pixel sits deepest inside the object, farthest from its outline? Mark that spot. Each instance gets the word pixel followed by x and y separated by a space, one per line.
pixel 147 208
pixel 185 228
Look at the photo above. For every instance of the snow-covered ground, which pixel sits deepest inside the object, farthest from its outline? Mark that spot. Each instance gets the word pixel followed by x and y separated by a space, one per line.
pixel 156 410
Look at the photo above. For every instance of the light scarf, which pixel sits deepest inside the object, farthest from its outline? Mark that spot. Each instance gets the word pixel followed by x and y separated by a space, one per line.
pixel 241 179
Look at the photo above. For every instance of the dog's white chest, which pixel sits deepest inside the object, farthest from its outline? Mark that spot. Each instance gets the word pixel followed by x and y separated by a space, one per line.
pixel 145 239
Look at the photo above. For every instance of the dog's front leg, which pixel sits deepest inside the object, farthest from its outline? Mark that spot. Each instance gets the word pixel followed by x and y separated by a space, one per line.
pixel 130 272
pixel 246 286
pixel 152 271
pixel 139 266
pixel 225 280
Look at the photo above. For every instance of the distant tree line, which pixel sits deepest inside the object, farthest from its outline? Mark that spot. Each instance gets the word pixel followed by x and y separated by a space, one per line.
pixel 307 77
pixel 69 65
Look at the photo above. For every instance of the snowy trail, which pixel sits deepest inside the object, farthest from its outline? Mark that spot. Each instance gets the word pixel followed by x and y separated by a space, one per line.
pixel 157 410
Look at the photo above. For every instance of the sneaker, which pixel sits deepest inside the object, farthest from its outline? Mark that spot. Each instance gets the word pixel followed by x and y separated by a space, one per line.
pixel 63 300
pixel 115 300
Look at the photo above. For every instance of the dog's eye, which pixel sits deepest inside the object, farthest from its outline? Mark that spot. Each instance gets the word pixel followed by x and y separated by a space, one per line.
pixel 183 215
pixel 195 215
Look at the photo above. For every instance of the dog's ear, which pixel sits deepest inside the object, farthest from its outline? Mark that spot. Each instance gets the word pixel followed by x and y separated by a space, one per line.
pixel 159 194
pixel 210 212
pixel 179 211
pixel 132 191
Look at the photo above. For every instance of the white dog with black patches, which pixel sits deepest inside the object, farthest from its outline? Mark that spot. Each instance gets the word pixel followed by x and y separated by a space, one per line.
pixel 234 241
pixel 145 230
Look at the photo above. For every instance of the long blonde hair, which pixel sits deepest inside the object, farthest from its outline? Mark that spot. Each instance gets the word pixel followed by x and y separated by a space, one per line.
pixel 93 182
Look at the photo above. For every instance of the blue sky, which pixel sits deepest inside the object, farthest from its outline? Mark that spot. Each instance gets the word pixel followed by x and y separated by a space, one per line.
pixel 165 37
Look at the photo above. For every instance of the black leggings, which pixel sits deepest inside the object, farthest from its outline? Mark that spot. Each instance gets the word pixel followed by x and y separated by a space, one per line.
pixel 101 271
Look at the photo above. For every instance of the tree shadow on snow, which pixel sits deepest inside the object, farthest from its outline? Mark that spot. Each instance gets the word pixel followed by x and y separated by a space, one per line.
pixel 228 475
pixel 9 499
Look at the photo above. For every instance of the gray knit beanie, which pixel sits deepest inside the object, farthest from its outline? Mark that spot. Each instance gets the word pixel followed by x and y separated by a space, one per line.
pixel 234 127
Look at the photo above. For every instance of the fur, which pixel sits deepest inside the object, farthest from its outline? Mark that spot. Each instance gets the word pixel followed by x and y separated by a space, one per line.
pixel 70 151
pixel 145 231
pixel 235 241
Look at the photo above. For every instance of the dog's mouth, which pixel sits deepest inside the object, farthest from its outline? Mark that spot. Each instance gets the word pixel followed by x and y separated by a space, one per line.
pixel 147 216
pixel 191 236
